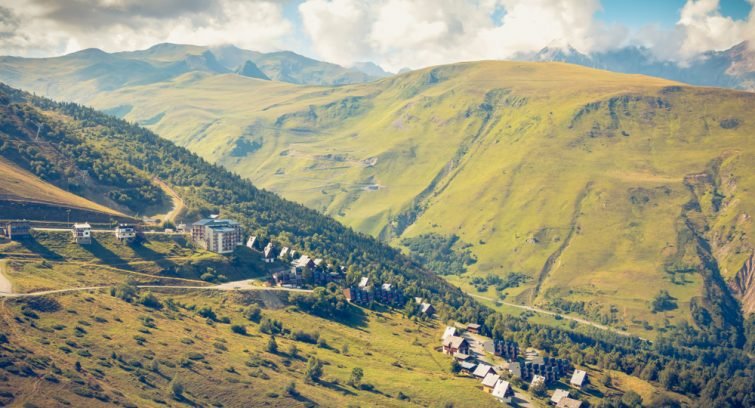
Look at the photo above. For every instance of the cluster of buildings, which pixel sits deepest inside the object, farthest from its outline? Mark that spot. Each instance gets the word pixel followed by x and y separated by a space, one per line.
pixel 536 370
pixel 365 293
pixel 81 232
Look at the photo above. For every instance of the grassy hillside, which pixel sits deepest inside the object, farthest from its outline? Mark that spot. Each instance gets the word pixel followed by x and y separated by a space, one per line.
pixel 19 185
pixel 708 362
pixel 130 352
pixel 572 176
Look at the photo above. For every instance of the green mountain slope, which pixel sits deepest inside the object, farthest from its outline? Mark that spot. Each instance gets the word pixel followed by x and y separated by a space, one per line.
pixel 572 176
pixel 81 75
pixel 103 348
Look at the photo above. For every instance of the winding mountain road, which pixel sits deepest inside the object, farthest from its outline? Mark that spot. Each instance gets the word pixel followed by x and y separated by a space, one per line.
pixel 565 317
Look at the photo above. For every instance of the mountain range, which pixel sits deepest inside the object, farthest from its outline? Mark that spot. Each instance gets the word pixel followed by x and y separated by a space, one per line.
pixel 731 68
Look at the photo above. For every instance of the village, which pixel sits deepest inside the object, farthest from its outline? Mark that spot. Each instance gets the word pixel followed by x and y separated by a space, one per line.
pixel 498 363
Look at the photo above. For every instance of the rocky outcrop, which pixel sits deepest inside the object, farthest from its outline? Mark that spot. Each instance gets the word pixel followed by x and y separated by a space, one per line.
pixel 743 285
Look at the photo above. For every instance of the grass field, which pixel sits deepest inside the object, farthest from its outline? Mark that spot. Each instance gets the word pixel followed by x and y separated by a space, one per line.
pixel 51 261
pixel 18 184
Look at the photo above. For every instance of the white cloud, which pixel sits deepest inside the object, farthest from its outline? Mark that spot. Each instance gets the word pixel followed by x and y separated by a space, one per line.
pixel 50 27
pixel 398 33
pixel 705 28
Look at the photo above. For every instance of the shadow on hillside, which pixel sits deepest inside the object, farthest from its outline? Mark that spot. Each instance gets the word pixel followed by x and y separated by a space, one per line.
pixel 336 387
pixel 306 401
pixel 355 318
pixel 105 255
pixel 32 245
pixel 148 254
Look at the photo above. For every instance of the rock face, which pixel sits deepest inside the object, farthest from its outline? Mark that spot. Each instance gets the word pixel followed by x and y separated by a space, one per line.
pixel 249 69
pixel 743 285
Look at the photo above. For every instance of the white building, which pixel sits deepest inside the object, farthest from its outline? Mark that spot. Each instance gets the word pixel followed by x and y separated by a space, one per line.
pixel 82 233
pixel 125 232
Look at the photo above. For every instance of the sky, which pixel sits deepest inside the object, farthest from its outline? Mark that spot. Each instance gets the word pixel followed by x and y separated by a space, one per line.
pixel 392 33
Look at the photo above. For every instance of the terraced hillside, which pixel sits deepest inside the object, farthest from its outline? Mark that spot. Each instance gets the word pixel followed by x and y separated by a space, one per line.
pixel 577 178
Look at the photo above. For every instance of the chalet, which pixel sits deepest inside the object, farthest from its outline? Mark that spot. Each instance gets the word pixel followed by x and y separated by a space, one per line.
pixel 268 254
pixel 473 328
pixel 17 230
pixel 304 262
pixel 567 402
pixel 578 379
pixel 284 253
pixel 503 391
pixel 318 263
pixel 419 300
pixel 558 395
pixel 181 228
pixel 455 344
pixel 450 331
pixel 483 370
pixel 364 282
pixel 82 233
pixel 251 243
pixel 427 309
pixel 537 380
pixel 489 382
pixel 125 232
pixel 217 235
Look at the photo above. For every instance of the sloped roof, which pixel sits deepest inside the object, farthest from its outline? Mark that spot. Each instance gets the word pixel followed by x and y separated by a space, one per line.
pixel 450 331
pixel 558 395
pixel 491 380
pixel 81 225
pixel 501 389
pixel 454 342
pixel 425 307
pixel 578 378
pixel 482 370
pixel 364 281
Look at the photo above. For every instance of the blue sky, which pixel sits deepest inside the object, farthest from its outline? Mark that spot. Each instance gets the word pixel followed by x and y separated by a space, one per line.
pixel 637 13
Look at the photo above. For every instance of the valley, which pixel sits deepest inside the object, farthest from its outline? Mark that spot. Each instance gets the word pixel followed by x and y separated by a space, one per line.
pixel 595 217
pixel 543 162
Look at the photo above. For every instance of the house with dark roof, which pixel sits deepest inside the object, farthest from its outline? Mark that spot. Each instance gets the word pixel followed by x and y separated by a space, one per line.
pixel 473 328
